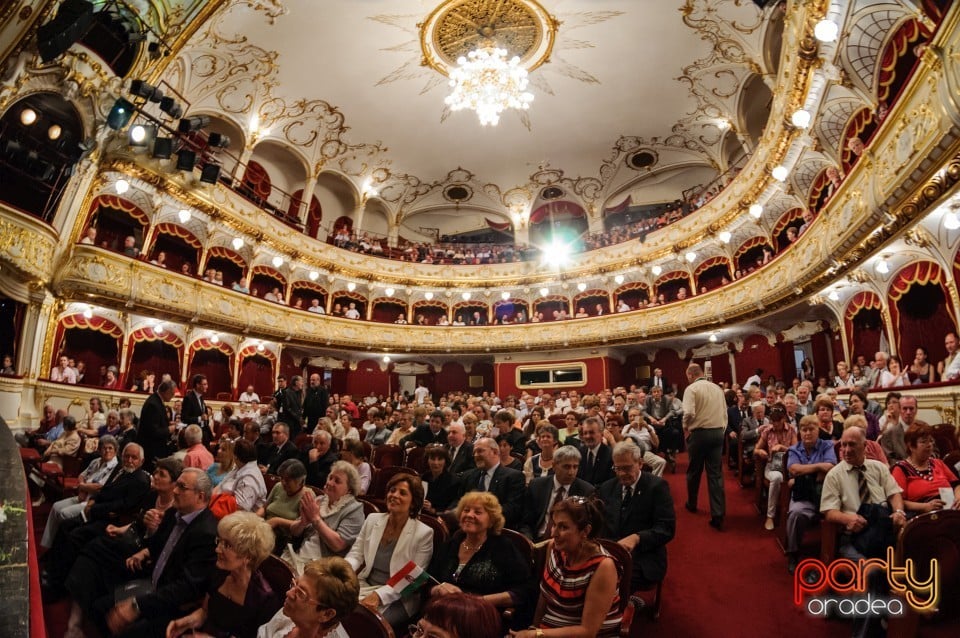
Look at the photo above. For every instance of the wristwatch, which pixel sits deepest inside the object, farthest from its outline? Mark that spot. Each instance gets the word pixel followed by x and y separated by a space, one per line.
pixel 899 512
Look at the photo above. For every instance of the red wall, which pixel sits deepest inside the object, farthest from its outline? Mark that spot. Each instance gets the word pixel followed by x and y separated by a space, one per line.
pixel 597 374
pixel 757 353
pixel 368 377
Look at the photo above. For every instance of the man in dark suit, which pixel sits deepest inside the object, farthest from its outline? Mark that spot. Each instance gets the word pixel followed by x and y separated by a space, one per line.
pixel 320 458
pixel 291 412
pixel 460 450
pixel 596 466
pixel 490 476
pixel 194 409
pixel 177 561
pixel 659 381
pixel 543 492
pixel 155 429
pixel 281 450
pixel 315 401
pixel 639 515
pixel 427 434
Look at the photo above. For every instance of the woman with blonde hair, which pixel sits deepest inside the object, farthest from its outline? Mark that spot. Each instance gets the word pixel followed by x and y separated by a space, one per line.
pixel 239 598
pixel 317 602
pixel 226 461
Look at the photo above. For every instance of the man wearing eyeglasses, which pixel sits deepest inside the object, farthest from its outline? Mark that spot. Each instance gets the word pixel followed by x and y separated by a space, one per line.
pixel 171 572
pixel 639 514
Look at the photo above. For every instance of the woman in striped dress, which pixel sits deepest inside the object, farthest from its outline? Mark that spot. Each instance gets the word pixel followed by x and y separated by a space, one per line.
pixel 579 590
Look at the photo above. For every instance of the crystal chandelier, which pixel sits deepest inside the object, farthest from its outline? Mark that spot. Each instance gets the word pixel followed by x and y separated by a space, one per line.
pixel 488 83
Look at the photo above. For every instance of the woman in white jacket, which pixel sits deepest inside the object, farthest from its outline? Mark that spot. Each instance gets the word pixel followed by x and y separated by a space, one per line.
pixel 389 541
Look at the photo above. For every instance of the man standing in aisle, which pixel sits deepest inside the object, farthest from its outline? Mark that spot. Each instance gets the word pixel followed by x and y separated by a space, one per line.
pixel 421 393
pixel 315 402
pixel 704 421
pixel 292 406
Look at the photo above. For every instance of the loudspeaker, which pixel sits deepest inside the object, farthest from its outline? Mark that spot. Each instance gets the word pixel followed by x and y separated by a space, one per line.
pixel 163 147
pixel 210 173
pixel 71 23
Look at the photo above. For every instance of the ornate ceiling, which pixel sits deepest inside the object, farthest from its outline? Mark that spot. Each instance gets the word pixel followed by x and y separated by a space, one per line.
pixel 350 85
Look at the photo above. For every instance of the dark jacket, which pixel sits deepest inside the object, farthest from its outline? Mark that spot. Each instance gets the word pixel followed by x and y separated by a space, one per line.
pixel 650 515
pixel 193 409
pixel 506 484
pixel 120 496
pixel 273 456
pixel 496 567
pixel 464 460
pixel 186 575
pixel 422 436
pixel 292 411
pixel 318 470
pixel 538 497
pixel 602 469
pixel 315 401
pixel 443 490
pixel 154 430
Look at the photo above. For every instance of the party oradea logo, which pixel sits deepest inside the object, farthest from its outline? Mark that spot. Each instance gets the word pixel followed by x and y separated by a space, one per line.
pixel 842 587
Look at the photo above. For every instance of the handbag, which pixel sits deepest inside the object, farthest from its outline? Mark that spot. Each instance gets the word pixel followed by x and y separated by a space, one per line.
pixel 223 504
pixel 776 462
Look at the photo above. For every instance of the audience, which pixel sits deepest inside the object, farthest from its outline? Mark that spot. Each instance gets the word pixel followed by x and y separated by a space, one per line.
pixel 330 522
pixel 921 476
pixel 444 617
pixel 317 601
pixel 808 462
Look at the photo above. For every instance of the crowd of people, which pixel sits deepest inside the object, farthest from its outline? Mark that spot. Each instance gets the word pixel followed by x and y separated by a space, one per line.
pixel 173 514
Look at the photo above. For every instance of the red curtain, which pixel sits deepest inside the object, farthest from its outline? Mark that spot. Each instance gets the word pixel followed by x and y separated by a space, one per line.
pixel 94 348
pixel 256 181
pixel 263 283
pixel 177 250
pixel 345 302
pixel 633 296
pixel 155 355
pixel 713 277
pixel 863 324
pixel 216 366
pixel 758 353
pixel 929 313
pixel 388 311
pixel 232 273
pixel 548 307
pixel 257 370
pixel 430 313
pixel 368 377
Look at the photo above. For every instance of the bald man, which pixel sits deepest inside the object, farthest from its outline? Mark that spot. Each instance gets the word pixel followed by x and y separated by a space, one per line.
pixel 704 421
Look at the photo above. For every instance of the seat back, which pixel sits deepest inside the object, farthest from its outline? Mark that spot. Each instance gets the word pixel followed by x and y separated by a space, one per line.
pixel 384 456
pixel 277 573
pixel 368 507
pixel 303 441
pixel 440 532
pixel 624 563
pixel 945 437
pixel 934 535
pixel 523 544
pixel 378 485
pixel 365 622
pixel 270 480
pixel 416 459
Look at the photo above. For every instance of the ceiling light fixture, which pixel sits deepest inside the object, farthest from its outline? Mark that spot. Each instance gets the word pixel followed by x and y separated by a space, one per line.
pixel 826 31
pixel 237 243
pixel 28 116
pixel 726 236
pixel 504 295
pixel 122 186
pixel 466 296
pixel 691 256
pixel 389 292
pixel 581 286
pixel 184 215
pixel 260 347
pixel 314 275
pixel 158 329
pixel 756 210
pixel 801 118
pixel 351 286
pixel 833 296
pixel 486 82
pixel 54 132
pixel 428 296
pixel 882 266
pixel 713 337
pixel 544 292
pixel 277 261
pixel 618 279
pixel 386 358
pixel 656 270
pixel 88 313
pixel 215 338
pixel 780 173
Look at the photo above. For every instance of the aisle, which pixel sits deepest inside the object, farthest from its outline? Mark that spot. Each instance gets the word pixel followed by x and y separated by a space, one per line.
pixel 730 583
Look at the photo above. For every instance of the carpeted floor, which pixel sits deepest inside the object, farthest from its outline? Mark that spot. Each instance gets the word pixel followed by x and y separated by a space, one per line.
pixel 731 583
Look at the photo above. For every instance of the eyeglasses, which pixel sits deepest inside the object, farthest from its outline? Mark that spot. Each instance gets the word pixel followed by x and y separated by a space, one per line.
pixel 300 594
pixel 183 487
pixel 623 469
pixel 416 631
pixel 224 543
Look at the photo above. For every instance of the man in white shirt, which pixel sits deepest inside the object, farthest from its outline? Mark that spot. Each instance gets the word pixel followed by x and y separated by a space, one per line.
pixel 352 312
pixel 316 307
pixel 249 396
pixel 563 402
pixel 421 393
pixel 754 379
pixel 64 373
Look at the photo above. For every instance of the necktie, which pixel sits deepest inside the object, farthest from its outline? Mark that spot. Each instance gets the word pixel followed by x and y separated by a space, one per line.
pixel 862 486
pixel 483 482
pixel 625 501
pixel 591 457
pixel 557 497
pixel 453 458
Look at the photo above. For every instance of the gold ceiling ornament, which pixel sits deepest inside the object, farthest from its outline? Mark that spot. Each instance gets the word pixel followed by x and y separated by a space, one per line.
pixel 487 48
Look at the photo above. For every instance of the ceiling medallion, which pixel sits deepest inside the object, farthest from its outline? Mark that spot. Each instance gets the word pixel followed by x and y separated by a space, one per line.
pixel 487 48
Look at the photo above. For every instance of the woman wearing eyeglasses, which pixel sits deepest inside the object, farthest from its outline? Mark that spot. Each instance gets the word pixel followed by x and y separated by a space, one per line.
pixel 316 602
pixel 578 593
pixel 239 598
pixel 444 618
pixel 389 541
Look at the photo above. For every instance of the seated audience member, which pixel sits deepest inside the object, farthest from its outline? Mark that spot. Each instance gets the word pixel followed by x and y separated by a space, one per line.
pixel 490 476
pixel 872 449
pixel 63 373
pixel 830 427
pixel 858 405
pixel 281 450
pixel 596 464
pixel 544 492
pixel 328 523
pixel 639 514
pixel 894 376
pixel 444 617
pixel 197 454
pixel 892 440
pixel 646 437
pixel 506 453
pixel 579 589
pixel 658 412
pixel 949 368
pixel 571 422
pixel 774 441
pixel 282 508
pixel 245 483
pixel 94 418
pixel 921 370
pixel 441 484
pixel 352 452
pixel 91 480
pixel 461 449
pixel 225 461
pixel 922 477
pixel 807 464
pixel 541 464
pixel 177 562
pixel 319 458
pixel 239 599
pixel 428 433
pixel 67 444
pixel 891 411
pixel 317 602
pixel 387 542
pixel 379 434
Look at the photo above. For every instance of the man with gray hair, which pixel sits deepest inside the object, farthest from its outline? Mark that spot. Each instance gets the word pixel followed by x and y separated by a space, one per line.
pixel 291 410
pixel 544 492
pixel 197 454
pixel 639 514
pixel 704 421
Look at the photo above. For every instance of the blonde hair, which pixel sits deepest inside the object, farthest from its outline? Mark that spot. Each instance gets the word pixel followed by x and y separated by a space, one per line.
pixel 855 421
pixel 251 536
pixel 336 584
pixel 488 502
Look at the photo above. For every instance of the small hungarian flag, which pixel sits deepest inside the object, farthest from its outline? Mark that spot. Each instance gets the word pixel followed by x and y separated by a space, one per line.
pixel 409 579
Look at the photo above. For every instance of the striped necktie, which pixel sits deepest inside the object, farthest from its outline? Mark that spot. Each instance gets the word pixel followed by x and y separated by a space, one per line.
pixel 862 486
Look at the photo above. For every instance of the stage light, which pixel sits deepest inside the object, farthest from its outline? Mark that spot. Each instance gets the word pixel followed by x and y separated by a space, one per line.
pixel 218 140
pixel 186 160
pixel 184 215
pixel 163 148
pixel 54 132
pixel 210 173
pixel 171 107
pixel 147 91
pixel 195 123
pixel 28 116
pixel 142 135
pixel 120 114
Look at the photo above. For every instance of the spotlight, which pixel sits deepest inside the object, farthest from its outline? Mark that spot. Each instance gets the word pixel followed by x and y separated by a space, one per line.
pixel 557 254
pixel 120 114
pixel 142 135
pixel 210 173
pixel 186 160
pixel 163 147
pixel 122 186
pixel 237 243
pixel 195 123
pixel 428 296
pixel 218 140
pixel 826 31
pixel 147 91
pixel 170 106
pixel 184 215
pixel 28 116
pixel 54 132
pixel 801 118
pixel 73 20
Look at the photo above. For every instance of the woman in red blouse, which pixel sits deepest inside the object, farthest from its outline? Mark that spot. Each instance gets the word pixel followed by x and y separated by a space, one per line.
pixel 922 477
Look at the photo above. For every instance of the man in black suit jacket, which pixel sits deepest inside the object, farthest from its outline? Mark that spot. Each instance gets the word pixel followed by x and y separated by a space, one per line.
pixel 596 466
pixel 281 450
pixel 315 401
pixel 659 381
pixel 502 482
pixel 639 515
pixel 155 429
pixel 543 492
pixel 291 410
pixel 320 458
pixel 427 434
pixel 460 451
pixel 193 410
pixel 179 560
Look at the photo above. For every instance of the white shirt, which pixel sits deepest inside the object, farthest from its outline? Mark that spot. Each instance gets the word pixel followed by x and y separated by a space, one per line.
pixel 421 394
pixel 249 397
pixel 952 371
pixel 754 380
pixel 352 313
pixel 317 309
